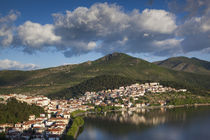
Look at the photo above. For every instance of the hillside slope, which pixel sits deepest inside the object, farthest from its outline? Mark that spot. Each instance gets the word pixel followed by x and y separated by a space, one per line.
pixel 52 80
pixel 186 64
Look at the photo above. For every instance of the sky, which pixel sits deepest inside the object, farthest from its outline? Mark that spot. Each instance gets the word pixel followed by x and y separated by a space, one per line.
pixel 38 34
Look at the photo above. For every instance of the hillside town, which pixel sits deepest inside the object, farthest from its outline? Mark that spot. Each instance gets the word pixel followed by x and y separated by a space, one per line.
pixel 50 125
pixel 55 122
pixel 134 91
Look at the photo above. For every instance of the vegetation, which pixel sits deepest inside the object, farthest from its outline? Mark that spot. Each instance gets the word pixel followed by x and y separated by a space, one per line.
pixel 15 111
pixel 97 83
pixel 100 109
pixel 193 65
pixel 189 100
pixel 173 98
pixel 76 113
pixel 67 79
pixel 74 129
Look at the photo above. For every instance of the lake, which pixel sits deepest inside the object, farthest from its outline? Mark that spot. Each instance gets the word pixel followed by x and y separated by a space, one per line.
pixel 187 123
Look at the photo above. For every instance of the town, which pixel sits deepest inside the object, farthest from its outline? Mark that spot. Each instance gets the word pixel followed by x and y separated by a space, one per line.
pixel 55 122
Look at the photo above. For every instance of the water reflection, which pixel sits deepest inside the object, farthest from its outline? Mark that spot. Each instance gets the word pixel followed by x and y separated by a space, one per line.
pixel 140 116
pixel 171 124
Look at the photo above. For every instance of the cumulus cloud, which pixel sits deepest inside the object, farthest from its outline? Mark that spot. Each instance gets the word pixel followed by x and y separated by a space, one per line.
pixel 159 21
pixel 102 28
pixel 107 28
pixel 7 28
pixel 195 28
pixel 115 29
pixel 14 65
pixel 196 33
pixel 36 36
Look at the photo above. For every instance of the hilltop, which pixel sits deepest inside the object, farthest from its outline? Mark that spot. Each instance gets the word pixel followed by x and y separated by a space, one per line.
pixel 53 80
pixel 186 64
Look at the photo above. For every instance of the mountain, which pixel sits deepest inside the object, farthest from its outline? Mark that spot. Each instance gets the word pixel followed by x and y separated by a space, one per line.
pixel 51 81
pixel 193 65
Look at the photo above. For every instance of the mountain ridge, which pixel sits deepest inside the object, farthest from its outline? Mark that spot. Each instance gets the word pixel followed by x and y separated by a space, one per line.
pixel 53 80
pixel 193 65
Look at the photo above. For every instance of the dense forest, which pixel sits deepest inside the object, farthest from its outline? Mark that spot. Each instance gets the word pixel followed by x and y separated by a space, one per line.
pixel 15 111
pixel 97 83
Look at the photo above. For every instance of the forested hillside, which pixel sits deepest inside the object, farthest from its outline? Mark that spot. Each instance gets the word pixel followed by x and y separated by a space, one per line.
pixel 97 83
pixel 15 111
pixel 52 81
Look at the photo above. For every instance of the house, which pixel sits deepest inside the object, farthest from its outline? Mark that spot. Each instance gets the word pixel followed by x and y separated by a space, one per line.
pixel 48 115
pixel 154 84
pixel 56 131
pixel 39 129
pixel 49 123
pixel 66 121
pixel 42 115
pixel 41 119
pixel 27 125
pixel 138 105
pixel 38 125
pixel 18 125
pixel 66 115
pixel 32 117
pixel 183 90
pixel 6 125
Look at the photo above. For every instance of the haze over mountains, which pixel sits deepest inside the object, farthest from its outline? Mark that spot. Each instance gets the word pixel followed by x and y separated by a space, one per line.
pixel 53 80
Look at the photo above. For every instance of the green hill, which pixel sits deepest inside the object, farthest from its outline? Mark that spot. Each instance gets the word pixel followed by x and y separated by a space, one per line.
pixel 193 65
pixel 54 80
pixel 15 111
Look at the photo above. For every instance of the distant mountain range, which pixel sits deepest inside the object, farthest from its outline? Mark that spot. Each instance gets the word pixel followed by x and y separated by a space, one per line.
pixel 53 80
pixel 186 64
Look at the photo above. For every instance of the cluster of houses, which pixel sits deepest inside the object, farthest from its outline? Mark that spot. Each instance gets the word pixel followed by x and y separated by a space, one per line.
pixel 55 121
pixel 50 125
pixel 134 91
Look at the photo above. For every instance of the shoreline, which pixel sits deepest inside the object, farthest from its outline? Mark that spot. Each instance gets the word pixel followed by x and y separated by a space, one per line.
pixel 167 106
pixel 146 107
pixel 153 107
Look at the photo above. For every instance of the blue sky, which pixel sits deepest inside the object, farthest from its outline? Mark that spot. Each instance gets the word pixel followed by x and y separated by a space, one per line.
pixel 40 33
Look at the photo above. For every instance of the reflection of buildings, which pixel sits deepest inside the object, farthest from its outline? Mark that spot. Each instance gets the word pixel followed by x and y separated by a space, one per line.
pixel 141 116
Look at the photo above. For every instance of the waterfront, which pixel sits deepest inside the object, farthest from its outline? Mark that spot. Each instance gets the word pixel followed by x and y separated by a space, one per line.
pixel 171 124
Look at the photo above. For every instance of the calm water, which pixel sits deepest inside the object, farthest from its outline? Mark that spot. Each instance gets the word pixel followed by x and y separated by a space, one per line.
pixel 191 123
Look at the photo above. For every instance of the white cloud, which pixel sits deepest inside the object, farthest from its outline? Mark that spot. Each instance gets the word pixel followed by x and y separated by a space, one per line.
pixel 205 26
pixel 91 45
pixel 14 65
pixel 168 42
pixel 196 32
pixel 79 31
pixel 159 21
pixel 36 35
pixel 7 28
pixel 116 29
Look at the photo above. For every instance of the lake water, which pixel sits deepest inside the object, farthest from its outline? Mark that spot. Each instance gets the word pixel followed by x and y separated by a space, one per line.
pixel 192 123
